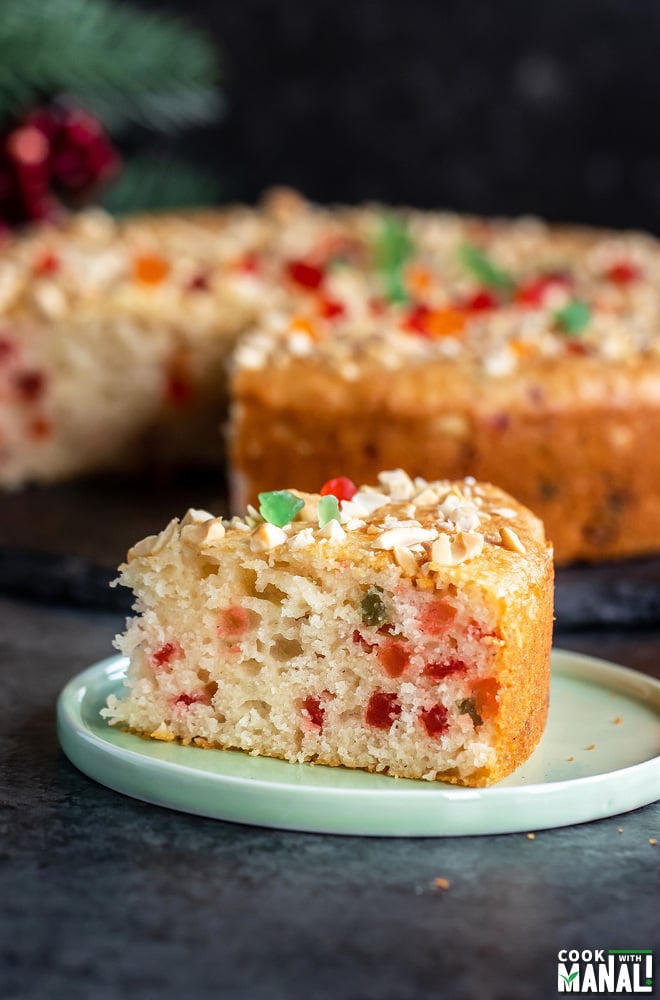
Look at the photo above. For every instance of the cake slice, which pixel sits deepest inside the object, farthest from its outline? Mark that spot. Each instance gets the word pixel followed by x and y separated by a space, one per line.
pixel 403 628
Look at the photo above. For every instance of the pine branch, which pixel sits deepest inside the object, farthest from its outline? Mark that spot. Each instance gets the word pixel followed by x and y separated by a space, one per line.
pixel 125 65
pixel 147 184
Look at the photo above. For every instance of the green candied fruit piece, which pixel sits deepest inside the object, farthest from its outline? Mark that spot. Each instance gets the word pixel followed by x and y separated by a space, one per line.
pixel 392 250
pixel 373 607
pixel 328 508
pixel 482 268
pixel 573 317
pixel 469 707
pixel 279 506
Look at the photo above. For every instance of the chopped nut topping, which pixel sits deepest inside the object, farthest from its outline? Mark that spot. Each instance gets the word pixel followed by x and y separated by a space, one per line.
pixel 406 560
pixel 398 484
pixel 267 536
pixel 203 535
pixel 154 544
pixel 466 545
pixel 310 511
pixel 363 504
pixel 332 531
pixel 511 541
pixel 195 516
pixel 403 537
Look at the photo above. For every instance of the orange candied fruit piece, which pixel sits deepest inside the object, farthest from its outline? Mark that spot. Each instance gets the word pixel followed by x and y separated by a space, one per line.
pixel 394 657
pixel 485 693
pixel 46 263
pixel 436 617
pixel 522 348
pixel 445 322
pixel 300 324
pixel 418 279
pixel 233 622
pixel 150 269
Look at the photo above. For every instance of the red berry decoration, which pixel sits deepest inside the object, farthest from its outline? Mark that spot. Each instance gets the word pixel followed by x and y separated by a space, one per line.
pixel 342 487
pixel 54 155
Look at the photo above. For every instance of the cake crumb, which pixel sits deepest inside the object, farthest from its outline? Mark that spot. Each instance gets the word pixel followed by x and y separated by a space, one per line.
pixel 441 883
pixel 620 830
pixel 531 836
pixel 570 759
pixel 652 841
pixel 618 720
pixel 592 746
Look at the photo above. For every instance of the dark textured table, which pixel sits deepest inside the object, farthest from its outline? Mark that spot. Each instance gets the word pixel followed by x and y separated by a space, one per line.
pixel 106 897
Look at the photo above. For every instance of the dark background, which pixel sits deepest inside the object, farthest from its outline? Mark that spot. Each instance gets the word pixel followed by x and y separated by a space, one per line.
pixel 481 105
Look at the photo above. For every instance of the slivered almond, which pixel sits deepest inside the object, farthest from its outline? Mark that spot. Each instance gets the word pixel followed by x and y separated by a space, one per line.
pixel 332 531
pixel 447 552
pixel 406 560
pixel 511 541
pixel 404 537
pixel 205 535
pixel 267 536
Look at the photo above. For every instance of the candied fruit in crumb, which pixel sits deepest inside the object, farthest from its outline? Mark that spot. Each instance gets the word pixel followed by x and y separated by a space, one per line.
pixel 382 709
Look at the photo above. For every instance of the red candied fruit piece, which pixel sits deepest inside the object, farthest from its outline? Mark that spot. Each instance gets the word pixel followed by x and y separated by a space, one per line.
pixel 342 487
pixel 623 272
pixel 436 617
pixel 448 668
pixel 7 348
pixel 394 657
pixel 417 319
pixel 304 274
pixel 248 263
pixel 331 308
pixel 434 720
pixel 233 622
pixel 40 428
pixel 199 283
pixel 315 713
pixel 162 656
pixel 46 264
pixel 533 292
pixel 30 385
pixel 360 640
pixel 190 699
pixel 481 301
pixel 382 709
pixel 178 389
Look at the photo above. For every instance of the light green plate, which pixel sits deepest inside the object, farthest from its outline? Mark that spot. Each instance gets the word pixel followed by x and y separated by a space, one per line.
pixel 599 757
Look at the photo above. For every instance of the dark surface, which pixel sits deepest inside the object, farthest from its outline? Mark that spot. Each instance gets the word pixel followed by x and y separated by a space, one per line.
pixel 500 107
pixel 105 897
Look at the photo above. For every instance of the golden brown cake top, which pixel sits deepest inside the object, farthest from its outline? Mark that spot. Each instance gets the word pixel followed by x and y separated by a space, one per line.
pixel 426 532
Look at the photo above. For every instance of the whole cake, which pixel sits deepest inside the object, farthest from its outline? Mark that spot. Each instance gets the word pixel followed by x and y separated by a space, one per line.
pixel 357 339
pixel 403 628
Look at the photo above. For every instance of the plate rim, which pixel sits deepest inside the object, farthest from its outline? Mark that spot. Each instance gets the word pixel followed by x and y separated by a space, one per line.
pixel 75 734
